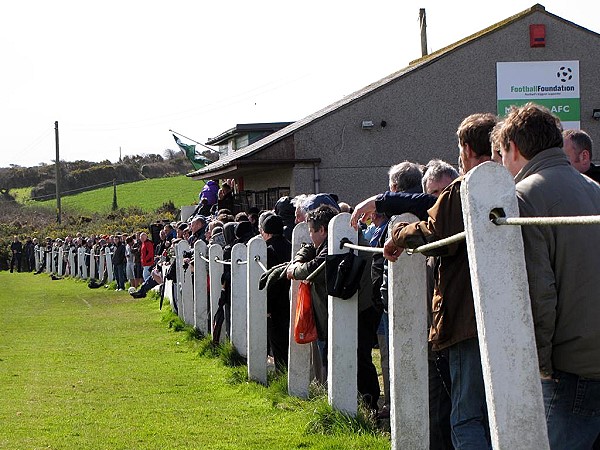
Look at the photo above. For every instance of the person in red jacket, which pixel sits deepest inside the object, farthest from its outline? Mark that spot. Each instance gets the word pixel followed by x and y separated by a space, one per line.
pixel 147 255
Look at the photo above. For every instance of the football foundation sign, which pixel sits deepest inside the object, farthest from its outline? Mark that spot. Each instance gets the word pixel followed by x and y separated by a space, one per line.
pixel 553 84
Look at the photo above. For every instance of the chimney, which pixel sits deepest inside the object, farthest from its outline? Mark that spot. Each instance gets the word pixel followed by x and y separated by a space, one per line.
pixel 423 24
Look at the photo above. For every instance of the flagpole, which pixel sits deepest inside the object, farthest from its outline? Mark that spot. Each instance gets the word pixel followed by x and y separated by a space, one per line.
pixel 190 139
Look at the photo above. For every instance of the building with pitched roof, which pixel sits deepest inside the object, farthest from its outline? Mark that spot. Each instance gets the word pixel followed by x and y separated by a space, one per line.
pixel 347 147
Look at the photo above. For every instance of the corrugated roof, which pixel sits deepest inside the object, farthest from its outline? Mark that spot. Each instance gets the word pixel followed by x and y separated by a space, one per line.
pixel 413 65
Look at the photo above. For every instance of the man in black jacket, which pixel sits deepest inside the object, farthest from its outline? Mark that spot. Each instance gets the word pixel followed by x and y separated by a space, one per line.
pixel 119 261
pixel 16 249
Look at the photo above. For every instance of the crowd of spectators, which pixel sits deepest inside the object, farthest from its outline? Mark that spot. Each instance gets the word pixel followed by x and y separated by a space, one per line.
pixel 529 143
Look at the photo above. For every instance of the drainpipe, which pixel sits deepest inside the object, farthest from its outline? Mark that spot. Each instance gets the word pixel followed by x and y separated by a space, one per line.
pixel 423 24
pixel 316 178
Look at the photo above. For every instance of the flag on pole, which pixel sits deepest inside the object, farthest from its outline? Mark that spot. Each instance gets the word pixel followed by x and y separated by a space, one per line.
pixel 190 151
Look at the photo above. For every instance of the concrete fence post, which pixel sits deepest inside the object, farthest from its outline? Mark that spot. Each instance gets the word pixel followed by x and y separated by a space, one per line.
pixel 503 312
pixel 54 256
pixel 257 311
pixel 298 354
pixel 80 262
pixel 407 308
pixel 109 265
pixel 48 262
pixel 101 263
pixel 201 307
pixel 93 271
pixel 184 283
pixel 215 271
pixel 342 339
pixel 61 258
pixel 71 262
pixel 239 301
pixel 84 268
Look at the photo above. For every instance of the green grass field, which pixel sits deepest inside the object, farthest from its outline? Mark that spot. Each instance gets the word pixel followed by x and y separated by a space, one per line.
pixel 147 194
pixel 96 369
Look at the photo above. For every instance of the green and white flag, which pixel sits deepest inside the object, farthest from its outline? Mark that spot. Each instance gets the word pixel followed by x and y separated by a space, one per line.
pixel 190 151
pixel 553 84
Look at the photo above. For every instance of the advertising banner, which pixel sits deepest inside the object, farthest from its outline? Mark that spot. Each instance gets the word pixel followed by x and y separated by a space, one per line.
pixel 553 84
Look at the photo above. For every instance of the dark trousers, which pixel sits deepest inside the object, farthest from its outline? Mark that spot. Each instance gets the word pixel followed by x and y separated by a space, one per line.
pixel 15 260
pixel 120 275
pixel 278 332
pixel 440 405
pixel 366 377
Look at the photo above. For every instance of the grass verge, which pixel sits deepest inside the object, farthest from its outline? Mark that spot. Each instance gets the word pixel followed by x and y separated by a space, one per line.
pixel 97 369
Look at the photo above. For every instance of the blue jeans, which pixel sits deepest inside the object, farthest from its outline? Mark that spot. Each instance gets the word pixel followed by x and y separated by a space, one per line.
pixel 572 405
pixel 468 417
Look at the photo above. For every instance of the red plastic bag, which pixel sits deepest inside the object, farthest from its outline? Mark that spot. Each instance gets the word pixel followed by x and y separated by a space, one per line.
pixel 305 329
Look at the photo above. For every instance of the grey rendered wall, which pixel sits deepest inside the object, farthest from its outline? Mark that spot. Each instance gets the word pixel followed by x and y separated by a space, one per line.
pixel 258 181
pixel 423 108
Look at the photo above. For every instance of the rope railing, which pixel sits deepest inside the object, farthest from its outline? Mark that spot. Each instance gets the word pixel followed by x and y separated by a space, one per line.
pixel 548 221
pixel 458 237
pixel 363 248
pixel 204 258
pixel 317 271
pixel 241 262
pixel 220 261
pixel 258 261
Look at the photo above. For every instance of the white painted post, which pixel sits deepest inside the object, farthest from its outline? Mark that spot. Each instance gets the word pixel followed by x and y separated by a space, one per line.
pixel 79 251
pixel 48 262
pixel 101 263
pixel 215 271
pixel 184 284
pixel 342 339
pixel 407 308
pixel 109 265
pixel 61 257
pixel 239 302
pixel 201 309
pixel 179 276
pixel 298 354
pixel 72 270
pixel 503 312
pixel 36 253
pixel 54 268
pixel 257 311
pixel 84 269
pixel 93 262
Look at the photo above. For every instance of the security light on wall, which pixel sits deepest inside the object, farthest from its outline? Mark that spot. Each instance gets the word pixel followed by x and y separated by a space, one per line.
pixel 367 124
pixel 596 114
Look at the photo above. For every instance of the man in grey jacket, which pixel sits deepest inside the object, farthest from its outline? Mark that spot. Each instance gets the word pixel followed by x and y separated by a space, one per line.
pixel 562 268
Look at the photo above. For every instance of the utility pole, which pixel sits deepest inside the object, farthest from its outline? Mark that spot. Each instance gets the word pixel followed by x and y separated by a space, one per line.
pixel 57 170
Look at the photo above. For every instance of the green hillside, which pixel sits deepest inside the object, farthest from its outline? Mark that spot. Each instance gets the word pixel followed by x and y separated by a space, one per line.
pixel 147 195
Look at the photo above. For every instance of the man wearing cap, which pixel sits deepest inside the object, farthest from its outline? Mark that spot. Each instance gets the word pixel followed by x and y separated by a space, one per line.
pixel 279 250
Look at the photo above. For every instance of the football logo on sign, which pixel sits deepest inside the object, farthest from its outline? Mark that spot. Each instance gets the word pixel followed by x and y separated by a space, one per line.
pixel 564 74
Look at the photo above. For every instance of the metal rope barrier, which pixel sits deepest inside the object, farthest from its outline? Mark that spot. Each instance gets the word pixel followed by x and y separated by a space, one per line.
pixel 262 266
pixel 437 244
pixel 548 221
